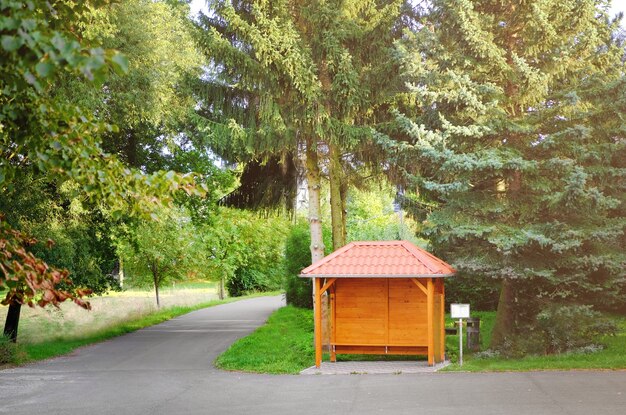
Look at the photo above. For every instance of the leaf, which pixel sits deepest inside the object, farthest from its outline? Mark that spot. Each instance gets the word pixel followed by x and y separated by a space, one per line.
pixel 31 79
pixel 44 69
pixel 11 43
pixel 120 63
pixel 8 23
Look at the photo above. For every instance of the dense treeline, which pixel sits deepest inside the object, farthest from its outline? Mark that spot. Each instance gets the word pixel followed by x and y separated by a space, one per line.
pixel 500 125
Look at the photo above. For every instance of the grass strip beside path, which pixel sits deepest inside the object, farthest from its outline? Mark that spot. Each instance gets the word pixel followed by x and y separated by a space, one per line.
pixel 283 345
pixel 30 352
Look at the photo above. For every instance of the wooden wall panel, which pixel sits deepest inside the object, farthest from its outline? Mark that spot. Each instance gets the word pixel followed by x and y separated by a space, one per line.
pixel 407 314
pixel 361 311
pixel 379 313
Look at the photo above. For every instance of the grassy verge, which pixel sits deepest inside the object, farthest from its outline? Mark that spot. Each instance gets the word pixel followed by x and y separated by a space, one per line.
pixel 612 357
pixel 285 345
pixel 29 352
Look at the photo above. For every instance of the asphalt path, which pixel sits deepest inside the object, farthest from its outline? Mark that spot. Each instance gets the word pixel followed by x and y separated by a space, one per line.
pixel 167 369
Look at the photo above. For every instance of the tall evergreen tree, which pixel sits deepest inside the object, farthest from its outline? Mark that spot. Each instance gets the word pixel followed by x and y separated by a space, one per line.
pixel 296 75
pixel 508 132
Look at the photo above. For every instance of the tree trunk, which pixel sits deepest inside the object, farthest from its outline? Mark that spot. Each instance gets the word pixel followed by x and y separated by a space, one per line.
pixel 156 287
pixel 344 208
pixel 315 221
pixel 221 288
pixel 336 206
pixel 12 321
pixel 121 273
pixel 131 149
pixel 504 326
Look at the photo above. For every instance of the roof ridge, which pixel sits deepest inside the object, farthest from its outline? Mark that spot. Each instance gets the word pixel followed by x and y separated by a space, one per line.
pixel 417 252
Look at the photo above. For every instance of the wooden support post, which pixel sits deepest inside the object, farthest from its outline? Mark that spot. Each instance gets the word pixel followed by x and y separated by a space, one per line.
pixel 333 311
pixel 442 316
pixel 431 312
pixel 317 289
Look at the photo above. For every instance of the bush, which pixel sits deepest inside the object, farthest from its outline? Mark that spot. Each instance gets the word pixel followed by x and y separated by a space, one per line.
pixel 247 249
pixel 570 327
pixel 8 351
pixel 299 291
pixel 560 328
pixel 480 292
pixel 248 280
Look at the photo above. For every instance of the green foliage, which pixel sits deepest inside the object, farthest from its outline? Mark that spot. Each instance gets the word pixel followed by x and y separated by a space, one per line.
pixel 8 350
pixel 299 291
pixel 515 149
pixel 371 216
pixel 476 289
pixel 161 250
pixel 245 249
pixel 58 138
pixel 152 102
pixel 47 211
pixel 571 327
pixel 286 73
pixel 283 345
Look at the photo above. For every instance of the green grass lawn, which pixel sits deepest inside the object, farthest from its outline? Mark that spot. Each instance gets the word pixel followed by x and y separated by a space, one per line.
pixel 613 356
pixel 285 345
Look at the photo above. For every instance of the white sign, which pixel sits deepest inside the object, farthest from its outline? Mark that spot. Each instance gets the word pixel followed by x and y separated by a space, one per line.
pixel 459 310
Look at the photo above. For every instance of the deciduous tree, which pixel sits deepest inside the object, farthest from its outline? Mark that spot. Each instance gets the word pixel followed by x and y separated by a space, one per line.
pixel 58 139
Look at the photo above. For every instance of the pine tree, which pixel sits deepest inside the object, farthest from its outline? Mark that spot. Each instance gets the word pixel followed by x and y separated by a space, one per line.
pixel 510 132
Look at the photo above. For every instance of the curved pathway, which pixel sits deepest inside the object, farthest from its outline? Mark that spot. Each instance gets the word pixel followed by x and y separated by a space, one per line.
pixel 167 369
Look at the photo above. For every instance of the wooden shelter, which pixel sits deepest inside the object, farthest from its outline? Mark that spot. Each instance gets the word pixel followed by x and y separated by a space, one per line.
pixel 385 297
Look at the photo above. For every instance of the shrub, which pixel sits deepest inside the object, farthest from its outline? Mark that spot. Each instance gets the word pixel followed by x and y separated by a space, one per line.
pixel 480 292
pixel 8 350
pixel 571 327
pixel 247 249
pixel 560 328
pixel 298 291
pixel 248 280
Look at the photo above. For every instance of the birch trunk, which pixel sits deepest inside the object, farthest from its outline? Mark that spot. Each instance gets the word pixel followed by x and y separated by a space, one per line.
pixel 313 182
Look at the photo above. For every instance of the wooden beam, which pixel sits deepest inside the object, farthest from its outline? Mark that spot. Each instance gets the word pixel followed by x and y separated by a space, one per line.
pixel 420 285
pixel 333 325
pixel 431 311
pixel 442 316
pixel 326 286
pixel 317 288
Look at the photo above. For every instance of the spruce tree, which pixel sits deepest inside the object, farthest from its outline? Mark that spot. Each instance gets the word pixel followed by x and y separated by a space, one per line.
pixel 509 129
pixel 295 75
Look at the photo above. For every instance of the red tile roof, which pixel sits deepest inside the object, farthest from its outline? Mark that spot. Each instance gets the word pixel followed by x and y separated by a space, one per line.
pixel 379 259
